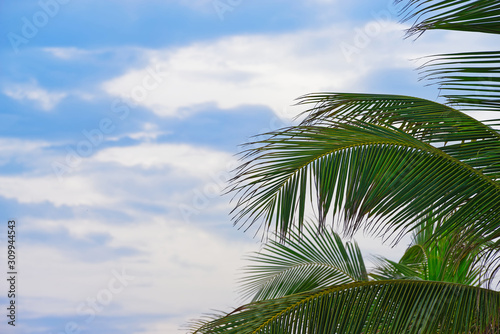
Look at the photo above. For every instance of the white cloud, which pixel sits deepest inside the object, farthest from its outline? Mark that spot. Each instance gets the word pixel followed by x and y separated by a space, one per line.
pixel 175 253
pixel 75 190
pixel 165 326
pixel 150 132
pixel 20 150
pixel 234 71
pixel 185 159
pixel 169 175
pixel 273 70
pixel 66 53
pixel 181 268
pixel 33 92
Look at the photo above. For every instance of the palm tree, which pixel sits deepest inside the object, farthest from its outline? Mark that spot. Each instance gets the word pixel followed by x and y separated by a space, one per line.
pixel 386 163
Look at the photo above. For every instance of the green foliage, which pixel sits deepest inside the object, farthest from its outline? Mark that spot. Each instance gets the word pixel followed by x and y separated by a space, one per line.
pixel 426 258
pixel 316 284
pixel 361 170
pixel 385 163
pixel 462 15
pixel 393 306
pixel 305 262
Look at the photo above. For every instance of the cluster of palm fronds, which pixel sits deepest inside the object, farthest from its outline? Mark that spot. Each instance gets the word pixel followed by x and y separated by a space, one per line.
pixel 389 164
pixel 314 283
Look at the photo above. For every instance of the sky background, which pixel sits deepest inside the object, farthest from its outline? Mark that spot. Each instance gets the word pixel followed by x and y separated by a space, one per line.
pixel 120 122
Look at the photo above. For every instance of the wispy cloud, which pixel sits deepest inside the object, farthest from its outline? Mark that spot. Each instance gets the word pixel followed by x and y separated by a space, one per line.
pixel 185 159
pixel 21 150
pixel 74 191
pixel 43 99
pixel 270 70
pixel 67 53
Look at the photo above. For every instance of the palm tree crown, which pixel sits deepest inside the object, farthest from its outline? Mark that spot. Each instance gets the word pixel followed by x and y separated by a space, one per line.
pixel 392 165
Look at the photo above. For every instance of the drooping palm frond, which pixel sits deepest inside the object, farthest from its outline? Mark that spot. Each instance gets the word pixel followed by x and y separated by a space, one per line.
pixel 425 120
pixel 370 307
pixel 457 134
pixel 194 325
pixel 362 170
pixel 469 80
pixel 462 15
pixel 305 262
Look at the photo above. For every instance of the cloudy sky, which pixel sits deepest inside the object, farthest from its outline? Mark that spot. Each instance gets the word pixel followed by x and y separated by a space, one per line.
pixel 119 125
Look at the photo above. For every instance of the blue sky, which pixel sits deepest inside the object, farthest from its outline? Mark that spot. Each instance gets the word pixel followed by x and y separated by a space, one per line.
pixel 119 125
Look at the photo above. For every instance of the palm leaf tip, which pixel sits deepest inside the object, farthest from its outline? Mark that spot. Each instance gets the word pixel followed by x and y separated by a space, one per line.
pixel 460 15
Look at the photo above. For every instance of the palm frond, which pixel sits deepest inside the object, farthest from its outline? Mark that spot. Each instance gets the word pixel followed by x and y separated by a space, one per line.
pixel 194 325
pixel 386 269
pixel 470 80
pixel 461 15
pixel 446 259
pixel 307 261
pixel 456 133
pixel 436 262
pixel 362 171
pixel 396 306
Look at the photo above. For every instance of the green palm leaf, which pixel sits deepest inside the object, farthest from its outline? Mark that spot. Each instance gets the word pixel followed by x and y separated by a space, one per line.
pixel 391 270
pixel 370 307
pixel 456 133
pixel 441 260
pixel 462 15
pixel 305 262
pixel 362 171
pixel 425 120
pixel 470 80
